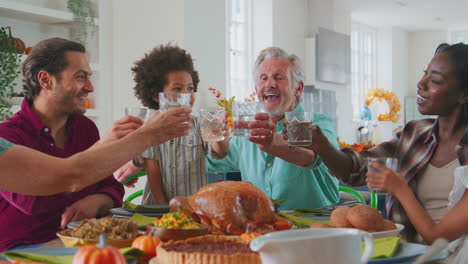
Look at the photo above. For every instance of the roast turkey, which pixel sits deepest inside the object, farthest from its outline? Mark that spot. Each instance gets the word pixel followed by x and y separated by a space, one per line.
pixel 228 207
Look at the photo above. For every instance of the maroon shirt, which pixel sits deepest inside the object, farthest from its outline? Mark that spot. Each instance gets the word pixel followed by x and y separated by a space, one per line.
pixel 26 219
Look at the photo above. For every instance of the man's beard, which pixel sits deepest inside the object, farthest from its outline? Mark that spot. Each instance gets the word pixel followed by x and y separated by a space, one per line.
pixel 68 100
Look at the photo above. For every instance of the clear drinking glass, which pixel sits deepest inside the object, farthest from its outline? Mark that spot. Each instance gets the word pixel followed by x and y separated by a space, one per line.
pixel 212 123
pixel 173 100
pixel 149 113
pixel 299 126
pixel 391 163
pixel 139 112
pixel 242 114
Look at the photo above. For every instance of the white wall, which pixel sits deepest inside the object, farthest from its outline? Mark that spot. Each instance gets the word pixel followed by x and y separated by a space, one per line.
pixel 138 28
pixel 321 13
pixel 262 23
pixel 290 25
pixel 392 74
pixel 422 45
pixel 205 38
pixel 400 53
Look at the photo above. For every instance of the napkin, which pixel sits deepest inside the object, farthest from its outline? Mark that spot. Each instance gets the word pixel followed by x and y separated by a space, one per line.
pixel 301 222
pixel 142 220
pixel 385 247
pixel 133 206
pixel 129 253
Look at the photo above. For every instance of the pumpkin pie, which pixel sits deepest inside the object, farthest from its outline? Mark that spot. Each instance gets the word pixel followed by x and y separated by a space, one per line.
pixel 208 249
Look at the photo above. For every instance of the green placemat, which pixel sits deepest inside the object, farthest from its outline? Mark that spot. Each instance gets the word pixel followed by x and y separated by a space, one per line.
pixel 133 206
pixel 301 222
pixel 142 220
pixel 129 253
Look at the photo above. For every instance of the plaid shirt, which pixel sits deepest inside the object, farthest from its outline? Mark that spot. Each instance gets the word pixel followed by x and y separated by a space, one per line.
pixel 414 147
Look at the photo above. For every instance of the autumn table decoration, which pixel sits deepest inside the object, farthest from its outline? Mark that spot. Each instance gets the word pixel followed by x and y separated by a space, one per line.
pixel 394 105
pixel 100 253
pixel 357 146
pixel 224 103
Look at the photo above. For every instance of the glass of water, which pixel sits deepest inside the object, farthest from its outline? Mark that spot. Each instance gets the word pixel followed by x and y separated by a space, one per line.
pixel 212 123
pixel 139 112
pixel 173 100
pixel 242 114
pixel 299 126
pixel 391 163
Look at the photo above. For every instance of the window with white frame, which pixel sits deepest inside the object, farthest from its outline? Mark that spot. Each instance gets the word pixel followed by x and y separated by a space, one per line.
pixel 363 64
pixel 460 36
pixel 240 59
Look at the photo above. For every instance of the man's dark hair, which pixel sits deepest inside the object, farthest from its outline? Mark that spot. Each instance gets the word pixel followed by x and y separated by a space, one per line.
pixel 150 73
pixel 47 55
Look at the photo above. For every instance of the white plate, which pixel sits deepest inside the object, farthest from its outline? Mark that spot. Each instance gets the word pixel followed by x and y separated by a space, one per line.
pixel 389 233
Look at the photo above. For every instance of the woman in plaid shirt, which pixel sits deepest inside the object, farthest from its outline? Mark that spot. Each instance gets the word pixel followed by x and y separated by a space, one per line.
pixel 428 150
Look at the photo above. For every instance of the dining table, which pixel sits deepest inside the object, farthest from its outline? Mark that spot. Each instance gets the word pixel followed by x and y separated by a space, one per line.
pixel 57 243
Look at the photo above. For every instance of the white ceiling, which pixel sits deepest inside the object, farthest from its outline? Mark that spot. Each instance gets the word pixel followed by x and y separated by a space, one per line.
pixel 409 14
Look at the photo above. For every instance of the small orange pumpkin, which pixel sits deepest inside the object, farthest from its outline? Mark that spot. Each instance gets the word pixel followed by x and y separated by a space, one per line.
pixel 147 244
pixel 28 50
pixel 98 254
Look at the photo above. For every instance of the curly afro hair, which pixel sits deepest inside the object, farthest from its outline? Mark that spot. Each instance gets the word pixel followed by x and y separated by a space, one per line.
pixel 150 73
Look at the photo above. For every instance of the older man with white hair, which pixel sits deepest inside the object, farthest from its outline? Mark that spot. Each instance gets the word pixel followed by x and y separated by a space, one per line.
pixel 295 175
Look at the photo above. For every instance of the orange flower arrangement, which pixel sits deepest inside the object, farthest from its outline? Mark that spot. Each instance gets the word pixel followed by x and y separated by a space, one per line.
pixel 358 147
pixel 227 103
pixel 392 100
pixel 224 103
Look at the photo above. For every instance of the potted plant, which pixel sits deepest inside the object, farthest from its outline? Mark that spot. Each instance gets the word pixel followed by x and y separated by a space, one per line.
pixel 9 69
pixel 83 18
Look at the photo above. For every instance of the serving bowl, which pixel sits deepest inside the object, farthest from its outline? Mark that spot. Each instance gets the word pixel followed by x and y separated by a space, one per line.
pixel 166 234
pixel 389 233
pixel 70 241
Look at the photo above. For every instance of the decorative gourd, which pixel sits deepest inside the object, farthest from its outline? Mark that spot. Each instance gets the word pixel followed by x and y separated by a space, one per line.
pixel 17 43
pixel 147 244
pixel 99 254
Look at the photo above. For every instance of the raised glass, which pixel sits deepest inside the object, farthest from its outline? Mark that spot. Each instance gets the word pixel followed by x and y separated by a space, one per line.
pixel 212 122
pixel 139 112
pixel 299 126
pixel 173 100
pixel 242 114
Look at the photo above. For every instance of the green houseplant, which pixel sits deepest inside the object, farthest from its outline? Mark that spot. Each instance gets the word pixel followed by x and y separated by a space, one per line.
pixel 9 71
pixel 83 18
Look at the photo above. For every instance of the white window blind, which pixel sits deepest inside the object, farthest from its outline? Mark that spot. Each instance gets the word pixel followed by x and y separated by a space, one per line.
pixel 363 64
pixel 240 59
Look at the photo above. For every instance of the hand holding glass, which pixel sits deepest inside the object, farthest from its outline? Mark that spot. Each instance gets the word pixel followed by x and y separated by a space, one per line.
pixel 243 113
pixel 299 126
pixel 173 100
pixel 212 123
pixel 139 112
pixel 391 163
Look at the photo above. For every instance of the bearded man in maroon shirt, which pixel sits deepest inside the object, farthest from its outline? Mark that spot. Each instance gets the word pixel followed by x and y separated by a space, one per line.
pixel 56 84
